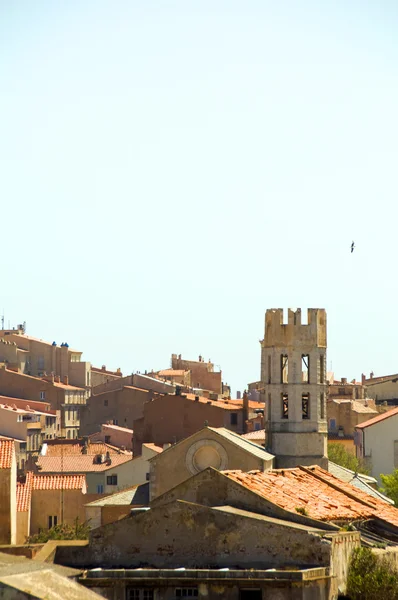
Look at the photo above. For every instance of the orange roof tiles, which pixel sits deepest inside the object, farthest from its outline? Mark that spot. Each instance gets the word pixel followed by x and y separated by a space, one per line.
pixel 85 463
pixel 24 494
pixel 172 372
pixel 7 451
pixel 76 449
pixel 59 482
pixel 323 496
pixel 382 417
pixel 227 405
pixel 257 434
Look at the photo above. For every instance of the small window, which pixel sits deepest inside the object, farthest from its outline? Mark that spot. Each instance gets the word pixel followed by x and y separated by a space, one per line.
pixel 42 395
pixel 105 402
pixel 139 594
pixel 100 488
pixel 332 424
pixel 111 480
pixel 187 592
pixel 269 368
pixel 305 368
pixel 284 368
pixel 52 521
pixel 322 400
pixel 147 476
pixel 322 369
pixel 107 439
pixel 285 406
pixel 234 418
pixel 305 406
pixel 257 426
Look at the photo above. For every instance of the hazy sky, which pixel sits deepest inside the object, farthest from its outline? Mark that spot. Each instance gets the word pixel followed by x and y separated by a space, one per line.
pixel 169 170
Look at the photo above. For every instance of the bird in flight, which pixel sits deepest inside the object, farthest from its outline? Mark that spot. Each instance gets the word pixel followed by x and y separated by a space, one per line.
pixel 352 247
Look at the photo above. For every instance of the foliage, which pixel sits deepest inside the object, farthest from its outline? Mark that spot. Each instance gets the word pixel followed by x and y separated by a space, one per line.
pixel 78 531
pixel 301 510
pixel 371 577
pixel 339 455
pixel 390 486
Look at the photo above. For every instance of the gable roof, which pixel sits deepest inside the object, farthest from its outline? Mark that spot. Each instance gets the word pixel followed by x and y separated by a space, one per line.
pixel 257 434
pixel 7 451
pixel 138 495
pixel 243 443
pixel 323 496
pixel 378 419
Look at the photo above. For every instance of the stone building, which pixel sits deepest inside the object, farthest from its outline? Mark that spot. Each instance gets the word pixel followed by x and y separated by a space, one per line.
pixel 293 380
pixel 8 492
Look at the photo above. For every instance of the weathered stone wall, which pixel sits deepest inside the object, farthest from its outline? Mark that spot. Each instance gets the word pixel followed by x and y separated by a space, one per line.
pixel 183 534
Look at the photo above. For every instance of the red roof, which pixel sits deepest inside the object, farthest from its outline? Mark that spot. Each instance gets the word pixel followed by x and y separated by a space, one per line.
pixel 382 417
pixel 323 496
pixel 85 463
pixel 24 494
pixel 6 453
pixel 59 482
pixel 76 449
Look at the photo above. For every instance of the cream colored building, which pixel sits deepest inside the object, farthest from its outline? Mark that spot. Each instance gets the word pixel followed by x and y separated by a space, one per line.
pixel 376 440
pixel 37 357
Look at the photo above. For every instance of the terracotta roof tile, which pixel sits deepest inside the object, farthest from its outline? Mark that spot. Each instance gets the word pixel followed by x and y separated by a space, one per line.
pixel 7 451
pixel 93 448
pixel 382 417
pixel 24 494
pixel 323 496
pixel 85 463
pixel 227 405
pixel 172 372
pixel 59 482
pixel 257 434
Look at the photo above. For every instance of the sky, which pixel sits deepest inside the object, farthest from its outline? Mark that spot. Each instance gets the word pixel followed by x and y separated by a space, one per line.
pixel 170 170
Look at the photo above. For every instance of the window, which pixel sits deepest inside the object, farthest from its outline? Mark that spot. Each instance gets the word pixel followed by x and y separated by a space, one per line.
pixel 100 488
pixel 42 395
pixel 19 418
pixel 269 369
pixel 284 368
pixel 322 406
pixel 305 368
pixel 105 402
pixel 285 406
pixel 40 363
pixel 187 592
pixel 107 439
pixel 52 521
pixel 139 594
pixel 234 418
pixel 305 406
pixel 257 426
pixel 111 480
pixel 332 424
pixel 250 594
pixel 322 369
pixel 147 476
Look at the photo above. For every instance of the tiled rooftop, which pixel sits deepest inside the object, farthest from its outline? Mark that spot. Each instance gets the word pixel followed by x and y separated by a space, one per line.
pixel 6 453
pixel 172 373
pixel 356 405
pixel 378 419
pixel 257 434
pixel 85 463
pixel 24 494
pixel 77 449
pixel 117 428
pixel 323 496
pixel 227 405
pixel 59 482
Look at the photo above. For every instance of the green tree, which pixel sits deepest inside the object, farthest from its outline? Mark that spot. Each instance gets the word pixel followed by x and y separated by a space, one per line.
pixel 370 577
pixel 339 455
pixel 390 486
pixel 78 531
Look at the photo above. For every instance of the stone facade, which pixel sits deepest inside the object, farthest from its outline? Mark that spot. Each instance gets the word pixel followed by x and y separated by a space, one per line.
pixel 293 375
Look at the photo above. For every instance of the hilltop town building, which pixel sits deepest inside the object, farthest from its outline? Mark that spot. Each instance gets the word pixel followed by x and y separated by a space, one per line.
pixel 293 379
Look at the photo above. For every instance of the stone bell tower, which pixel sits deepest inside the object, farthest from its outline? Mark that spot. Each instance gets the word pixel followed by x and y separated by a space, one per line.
pixel 293 380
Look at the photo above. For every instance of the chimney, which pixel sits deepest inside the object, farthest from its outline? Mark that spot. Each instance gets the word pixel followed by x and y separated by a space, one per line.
pixel 363 378
pixel 344 380
pixel 238 395
pixel 57 379
pixel 103 368
pixel 196 398
pixel 65 380
pixel 371 375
